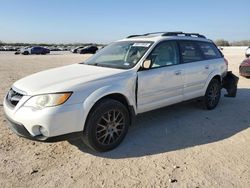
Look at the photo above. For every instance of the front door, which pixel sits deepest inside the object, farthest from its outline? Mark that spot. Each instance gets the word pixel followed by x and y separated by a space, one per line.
pixel 162 83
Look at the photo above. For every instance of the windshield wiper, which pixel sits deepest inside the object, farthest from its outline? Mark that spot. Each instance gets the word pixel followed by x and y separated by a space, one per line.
pixel 94 64
pixel 103 65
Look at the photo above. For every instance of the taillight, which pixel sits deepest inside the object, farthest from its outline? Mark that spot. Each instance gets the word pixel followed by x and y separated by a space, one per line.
pixel 226 61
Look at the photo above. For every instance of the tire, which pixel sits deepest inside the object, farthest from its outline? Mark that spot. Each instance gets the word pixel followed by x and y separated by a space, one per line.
pixel 25 53
pixel 213 93
pixel 106 126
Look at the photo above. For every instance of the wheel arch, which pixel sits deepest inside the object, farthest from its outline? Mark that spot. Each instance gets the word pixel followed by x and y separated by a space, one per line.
pixel 214 75
pixel 115 96
pixel 217 77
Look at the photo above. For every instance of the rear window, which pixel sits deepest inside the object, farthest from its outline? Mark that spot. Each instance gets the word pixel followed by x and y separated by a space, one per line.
pixel 209 50
pixel 190 52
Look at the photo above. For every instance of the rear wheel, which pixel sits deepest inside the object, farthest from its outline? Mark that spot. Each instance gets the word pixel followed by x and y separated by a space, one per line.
pixel 106 126
pixel 213 93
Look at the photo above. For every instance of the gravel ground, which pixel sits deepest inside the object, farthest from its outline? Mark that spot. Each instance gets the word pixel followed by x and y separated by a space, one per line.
pixel 177 146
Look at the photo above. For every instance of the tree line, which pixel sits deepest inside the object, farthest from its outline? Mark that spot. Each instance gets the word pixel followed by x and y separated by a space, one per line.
pixel 222 42
pixel 45 44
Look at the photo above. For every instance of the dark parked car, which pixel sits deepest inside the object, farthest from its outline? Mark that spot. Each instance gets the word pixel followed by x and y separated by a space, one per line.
pixel 35 50
pixel 87 50
pixel 245 68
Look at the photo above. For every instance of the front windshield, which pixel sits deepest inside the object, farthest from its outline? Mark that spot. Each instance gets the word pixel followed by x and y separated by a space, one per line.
pixel 122 55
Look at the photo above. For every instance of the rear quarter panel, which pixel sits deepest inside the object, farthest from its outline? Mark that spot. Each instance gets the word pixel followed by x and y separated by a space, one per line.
pixel 218 67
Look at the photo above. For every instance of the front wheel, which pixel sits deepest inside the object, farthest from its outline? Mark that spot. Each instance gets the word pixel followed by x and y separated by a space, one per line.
pixel 213 93
pixel 106 126
pixel 25 53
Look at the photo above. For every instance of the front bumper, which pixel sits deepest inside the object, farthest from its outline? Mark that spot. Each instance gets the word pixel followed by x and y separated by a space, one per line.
pixel 20 130
pixel 60 122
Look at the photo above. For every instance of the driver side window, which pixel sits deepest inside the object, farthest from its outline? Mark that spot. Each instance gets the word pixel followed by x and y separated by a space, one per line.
pixel 164 54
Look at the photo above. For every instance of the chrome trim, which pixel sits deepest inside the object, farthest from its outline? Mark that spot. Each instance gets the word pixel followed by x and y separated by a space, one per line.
pixel 19 91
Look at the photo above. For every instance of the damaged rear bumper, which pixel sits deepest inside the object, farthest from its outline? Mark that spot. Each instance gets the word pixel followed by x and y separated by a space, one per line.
pixel 230 82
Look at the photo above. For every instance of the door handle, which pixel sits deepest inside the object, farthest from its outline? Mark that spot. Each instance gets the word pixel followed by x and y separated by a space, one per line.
pixel 177 72
pixel 207 67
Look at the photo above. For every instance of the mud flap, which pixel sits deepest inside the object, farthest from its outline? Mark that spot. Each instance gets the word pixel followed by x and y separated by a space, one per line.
pixel 230 82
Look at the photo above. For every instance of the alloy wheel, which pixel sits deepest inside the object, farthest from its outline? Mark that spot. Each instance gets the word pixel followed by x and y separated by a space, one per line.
pixel 213 94
pixel 110 127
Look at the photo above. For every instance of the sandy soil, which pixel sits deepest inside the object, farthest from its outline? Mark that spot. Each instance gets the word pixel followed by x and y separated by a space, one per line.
pixel 183 143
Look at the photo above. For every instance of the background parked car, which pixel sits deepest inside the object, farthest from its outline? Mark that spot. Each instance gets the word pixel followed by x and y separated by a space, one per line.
pixel 54 48
pixel 35 50
pixel 9 48
pixel 220 48
pixel 88 50
pixel 248 52
pixel 17 52
pixel 245 68
pixel 20 50
pixel 74 50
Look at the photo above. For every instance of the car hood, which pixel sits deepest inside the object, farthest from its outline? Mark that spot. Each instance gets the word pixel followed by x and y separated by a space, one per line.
pixel 63 78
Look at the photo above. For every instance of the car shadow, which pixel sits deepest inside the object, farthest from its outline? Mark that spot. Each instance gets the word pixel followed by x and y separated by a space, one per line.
pixel 181 126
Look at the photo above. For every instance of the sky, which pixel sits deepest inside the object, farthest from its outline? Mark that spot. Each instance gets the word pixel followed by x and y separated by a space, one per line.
pixel 104 21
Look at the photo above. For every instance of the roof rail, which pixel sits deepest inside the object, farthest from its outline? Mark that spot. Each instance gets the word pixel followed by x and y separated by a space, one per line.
pixel 131 36
pixel 152 33
pixel 172 33
pixel 185 34
pixel 176 33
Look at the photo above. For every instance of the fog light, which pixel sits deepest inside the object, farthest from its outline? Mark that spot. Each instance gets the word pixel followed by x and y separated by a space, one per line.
pixel 43 131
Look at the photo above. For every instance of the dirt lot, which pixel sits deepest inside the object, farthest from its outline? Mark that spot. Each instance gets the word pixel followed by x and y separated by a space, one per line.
pixel 195 147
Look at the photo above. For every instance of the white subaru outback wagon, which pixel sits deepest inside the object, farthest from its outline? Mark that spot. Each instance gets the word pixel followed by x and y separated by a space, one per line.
pixel 97 100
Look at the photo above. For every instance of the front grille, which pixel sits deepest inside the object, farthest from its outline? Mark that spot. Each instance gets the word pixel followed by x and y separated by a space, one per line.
pixel 13 97
pixel 245 70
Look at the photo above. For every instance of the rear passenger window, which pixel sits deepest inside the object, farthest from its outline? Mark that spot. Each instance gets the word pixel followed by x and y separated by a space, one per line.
pixel 189 52
pixel 209 51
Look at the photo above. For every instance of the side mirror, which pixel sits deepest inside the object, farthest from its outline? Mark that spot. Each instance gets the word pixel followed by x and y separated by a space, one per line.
pixel 146 64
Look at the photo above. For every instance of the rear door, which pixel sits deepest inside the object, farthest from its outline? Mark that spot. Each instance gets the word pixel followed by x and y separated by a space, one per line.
pixel 196 68
pixel 201 59
pixel 162 84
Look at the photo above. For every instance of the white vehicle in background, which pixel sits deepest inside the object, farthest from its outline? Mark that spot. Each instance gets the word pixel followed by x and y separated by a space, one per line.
pixel 97 100
pixel 248 52
pixel 74 49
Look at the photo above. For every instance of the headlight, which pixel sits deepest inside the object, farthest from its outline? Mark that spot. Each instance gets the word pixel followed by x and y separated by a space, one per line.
pixel 47 100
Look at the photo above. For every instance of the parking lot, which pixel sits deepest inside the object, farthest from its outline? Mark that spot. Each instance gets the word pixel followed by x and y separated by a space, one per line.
pixel 178 146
